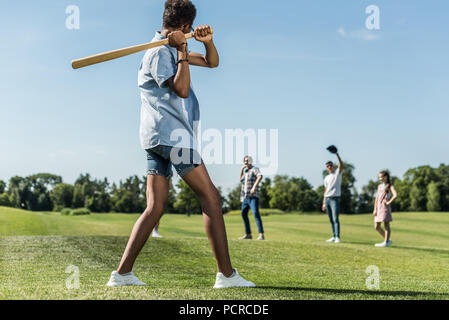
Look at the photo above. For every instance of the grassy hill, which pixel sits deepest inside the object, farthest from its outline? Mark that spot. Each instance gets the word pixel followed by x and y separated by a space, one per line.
pixel 293 263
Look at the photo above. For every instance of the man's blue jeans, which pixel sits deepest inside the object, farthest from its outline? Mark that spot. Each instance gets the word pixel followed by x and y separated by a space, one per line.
pixel 252 203
pixel 333 211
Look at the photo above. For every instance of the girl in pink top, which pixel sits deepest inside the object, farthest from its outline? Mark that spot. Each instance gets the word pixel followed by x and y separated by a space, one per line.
pixel 382 208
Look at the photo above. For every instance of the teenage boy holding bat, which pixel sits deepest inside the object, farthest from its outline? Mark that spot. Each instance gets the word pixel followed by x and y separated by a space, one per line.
pixel 169 105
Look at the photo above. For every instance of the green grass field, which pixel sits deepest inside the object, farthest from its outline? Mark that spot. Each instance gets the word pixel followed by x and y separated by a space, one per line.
pixel 293 263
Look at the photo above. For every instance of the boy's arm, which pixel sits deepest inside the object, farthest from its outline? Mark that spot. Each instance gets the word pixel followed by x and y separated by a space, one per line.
pixel 323 207
pixel 180 82
pixel 210 59
pixel 340 163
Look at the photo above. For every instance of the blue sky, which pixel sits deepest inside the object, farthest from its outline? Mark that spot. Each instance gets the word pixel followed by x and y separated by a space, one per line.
pixel 307 68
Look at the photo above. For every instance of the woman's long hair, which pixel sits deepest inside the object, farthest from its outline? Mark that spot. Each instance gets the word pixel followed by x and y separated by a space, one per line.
pixel 385 173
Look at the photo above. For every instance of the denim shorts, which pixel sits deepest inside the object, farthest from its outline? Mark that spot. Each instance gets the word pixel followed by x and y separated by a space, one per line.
pixel 161 158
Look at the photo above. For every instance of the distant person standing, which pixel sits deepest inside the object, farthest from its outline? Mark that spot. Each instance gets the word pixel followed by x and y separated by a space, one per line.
pixel 332 193
pixel 250 178
pixel 382 208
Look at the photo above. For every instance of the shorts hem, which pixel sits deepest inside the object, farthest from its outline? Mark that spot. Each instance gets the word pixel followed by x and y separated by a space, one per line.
pixel 156 173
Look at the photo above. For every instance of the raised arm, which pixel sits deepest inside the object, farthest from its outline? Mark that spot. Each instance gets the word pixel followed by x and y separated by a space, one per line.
pixel 340 163
pixel 210 59
pixel 242 173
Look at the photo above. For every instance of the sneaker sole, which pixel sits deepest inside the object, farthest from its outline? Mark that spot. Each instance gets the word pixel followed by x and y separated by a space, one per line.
pixel 246 286
pixel 114 285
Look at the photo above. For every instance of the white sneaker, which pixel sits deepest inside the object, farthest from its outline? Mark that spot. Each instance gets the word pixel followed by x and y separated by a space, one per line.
pixel 155 234
pixel 337 240
pixel 389 243
pixel 382 244
pixel 331 240
pixel 129 279
pixel 233 281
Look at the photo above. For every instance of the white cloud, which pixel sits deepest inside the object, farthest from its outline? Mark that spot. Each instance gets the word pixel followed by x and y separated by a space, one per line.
pixel 361 34
pixel 342 32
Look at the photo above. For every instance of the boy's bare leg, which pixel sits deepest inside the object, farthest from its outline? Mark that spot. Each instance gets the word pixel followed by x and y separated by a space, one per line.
pixel 198 179
pixel 157 192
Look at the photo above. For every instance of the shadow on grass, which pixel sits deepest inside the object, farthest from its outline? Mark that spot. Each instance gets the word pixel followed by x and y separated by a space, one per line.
pixel 430 250
pixel 373 293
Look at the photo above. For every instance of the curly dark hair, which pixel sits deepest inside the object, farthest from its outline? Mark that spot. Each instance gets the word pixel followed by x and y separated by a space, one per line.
pixel 178 13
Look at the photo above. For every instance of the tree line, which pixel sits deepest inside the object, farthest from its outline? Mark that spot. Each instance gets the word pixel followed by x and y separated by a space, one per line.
pixel 421 189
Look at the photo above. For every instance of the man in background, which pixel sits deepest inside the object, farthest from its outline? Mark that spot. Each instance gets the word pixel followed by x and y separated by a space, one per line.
pixel 250 177
pixel 331 199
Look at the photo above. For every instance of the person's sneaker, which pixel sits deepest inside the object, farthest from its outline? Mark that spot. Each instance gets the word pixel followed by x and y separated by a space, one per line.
pixel 233 281
pixel 155 234
pixel 246 236
pixel 389 243
pixel 382 244
pixel 261 237
pixel 337 240
pixel 129 279
pixel 331 240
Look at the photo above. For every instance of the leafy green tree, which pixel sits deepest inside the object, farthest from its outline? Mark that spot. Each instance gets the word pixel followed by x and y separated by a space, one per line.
pixel 2 186
pixel 41 184
pixel 234 198
pixel 402 202
pixel 264 193
pixel 419 178
pixel 292 194
pixel 32 192
pixel 62 196
pixel 443 177
pixel 78 197
pixel 187 201
pixel 92 194
pixel 100 201
pixel 433 197
pixel 310 202
pixel 130 196
pixel 5 200
pixel 224 202
pixel 366 198
pixel 171 199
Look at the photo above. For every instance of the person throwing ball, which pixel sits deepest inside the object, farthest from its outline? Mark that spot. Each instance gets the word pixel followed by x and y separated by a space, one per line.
pixel 332 193
pixel 170 111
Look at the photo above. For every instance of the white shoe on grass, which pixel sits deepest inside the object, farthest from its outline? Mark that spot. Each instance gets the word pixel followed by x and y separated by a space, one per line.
pixel 235 280
pixel 337 240
pixel 331 239
pixel 128 279
pixel 155 234
pixel 382 244
pixel 389 243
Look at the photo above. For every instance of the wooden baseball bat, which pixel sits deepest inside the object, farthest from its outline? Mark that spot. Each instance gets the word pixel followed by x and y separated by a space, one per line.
pixel 114 54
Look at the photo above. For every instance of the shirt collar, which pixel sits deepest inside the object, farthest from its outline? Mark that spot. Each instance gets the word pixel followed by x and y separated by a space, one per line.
pixel 158 36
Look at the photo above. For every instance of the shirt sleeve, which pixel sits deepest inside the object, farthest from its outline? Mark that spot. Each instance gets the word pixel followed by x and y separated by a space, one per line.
pixel 257 172
pixel 162 66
